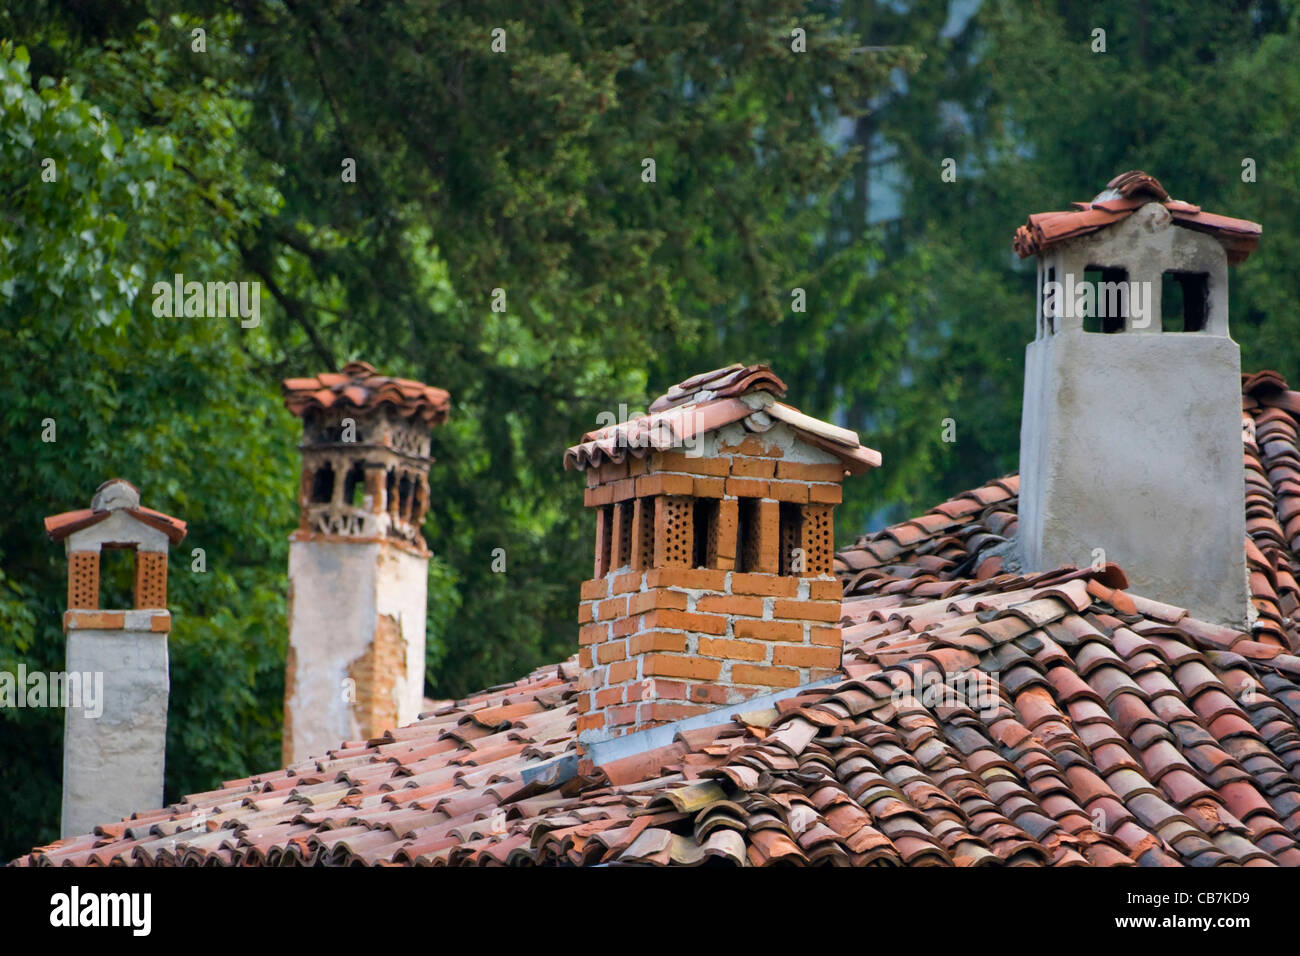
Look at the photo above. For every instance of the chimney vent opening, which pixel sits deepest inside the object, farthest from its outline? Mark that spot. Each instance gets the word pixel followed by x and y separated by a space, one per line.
pixel 117 577
pixel 1184 301
pixel 322 484
pixel 1110 309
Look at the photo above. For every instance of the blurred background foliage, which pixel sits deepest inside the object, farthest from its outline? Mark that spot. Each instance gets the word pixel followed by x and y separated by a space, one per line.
pixel 522 171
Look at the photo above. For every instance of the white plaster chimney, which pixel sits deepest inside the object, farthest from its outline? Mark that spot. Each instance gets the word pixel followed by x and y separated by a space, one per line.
pixel 1131 435
pixel 358 563
pixel 115 683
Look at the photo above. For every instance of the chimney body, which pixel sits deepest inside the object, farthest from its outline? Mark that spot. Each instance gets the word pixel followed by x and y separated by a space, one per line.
pixel 714 541
pixel 358 563
pixel 1131 436
pixel 115 684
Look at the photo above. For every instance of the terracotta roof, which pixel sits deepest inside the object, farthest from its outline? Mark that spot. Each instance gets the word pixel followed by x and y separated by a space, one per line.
pixel 710 401
pixel 358 385
pixel 1177 737
pixel 1122 731
pixel 1123 195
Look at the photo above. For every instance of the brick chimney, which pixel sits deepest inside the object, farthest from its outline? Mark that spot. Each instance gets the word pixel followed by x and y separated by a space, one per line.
pixel 714 541
pixel 114 748
pixel 358 563
pixel 1131 436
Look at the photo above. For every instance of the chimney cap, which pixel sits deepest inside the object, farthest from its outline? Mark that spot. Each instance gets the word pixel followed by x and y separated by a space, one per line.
pixel 359 386
pixel 116 494
pixel 707 402
pixel 1123 195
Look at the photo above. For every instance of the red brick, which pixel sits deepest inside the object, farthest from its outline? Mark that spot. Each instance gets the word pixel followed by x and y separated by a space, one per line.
pixel 656 598
pixel 591 722
pixel 617 716
pixel 647 486
pixel 683 621
pixel 826 636
pixel 98 620
pixel 623 489
pixel 710 693
pixel 636 466
pixel 764 584
pixel 768 676
pixel 753 467
pixel 626 582
pixel 804 656
pixel 747 487
pixel 584 657
pixel 621 671
pixel 594 589
pixel 828 611
pixel 748 606
pixel 792 491
pixel 593 634
pixel 649 641
pixel 727 517
pixel 825 590
pixel 693 578
pixel 613 471
pixel 671 712
pixel 611 608
pixel 753 445
pixel 709 488
pixel 733 650
pixel 583 703
pixel 825 494
pixel 626 625
pixel 802 472
pixel 678 461
pixel 596 497
pixel 609 697
pixel 695 668
pixel 585 612
pixel 768 630
pixel 821 673
pixel 615 651
pixel 668 689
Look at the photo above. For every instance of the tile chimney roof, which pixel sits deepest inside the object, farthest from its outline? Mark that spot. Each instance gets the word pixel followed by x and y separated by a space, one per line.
pixel 709 401
pixel 1123 195
pixel 1124 732
pixel 104 504
pixel 359 386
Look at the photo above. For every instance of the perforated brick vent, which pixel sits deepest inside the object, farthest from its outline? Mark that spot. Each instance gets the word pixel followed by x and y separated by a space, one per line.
pixel 675 531
pixel 818 535
pixel 150 579
pixel 83 580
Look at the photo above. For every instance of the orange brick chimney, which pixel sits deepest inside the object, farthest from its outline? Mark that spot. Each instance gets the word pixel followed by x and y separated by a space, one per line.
pixel 714 541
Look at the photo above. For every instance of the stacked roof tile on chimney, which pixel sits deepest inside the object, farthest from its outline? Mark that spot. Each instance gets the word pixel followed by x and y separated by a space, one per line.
pixel 358 563
pixel 714 539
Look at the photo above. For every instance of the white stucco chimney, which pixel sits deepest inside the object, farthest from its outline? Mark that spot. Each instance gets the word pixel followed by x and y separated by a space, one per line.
pixel 1131 436
pixel 358 563
pixel 115 684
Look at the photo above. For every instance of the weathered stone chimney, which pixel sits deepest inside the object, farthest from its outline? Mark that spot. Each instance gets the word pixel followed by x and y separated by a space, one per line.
pixel 114 746
pixel 714 541
pixel 1131 436
pixel 358 563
